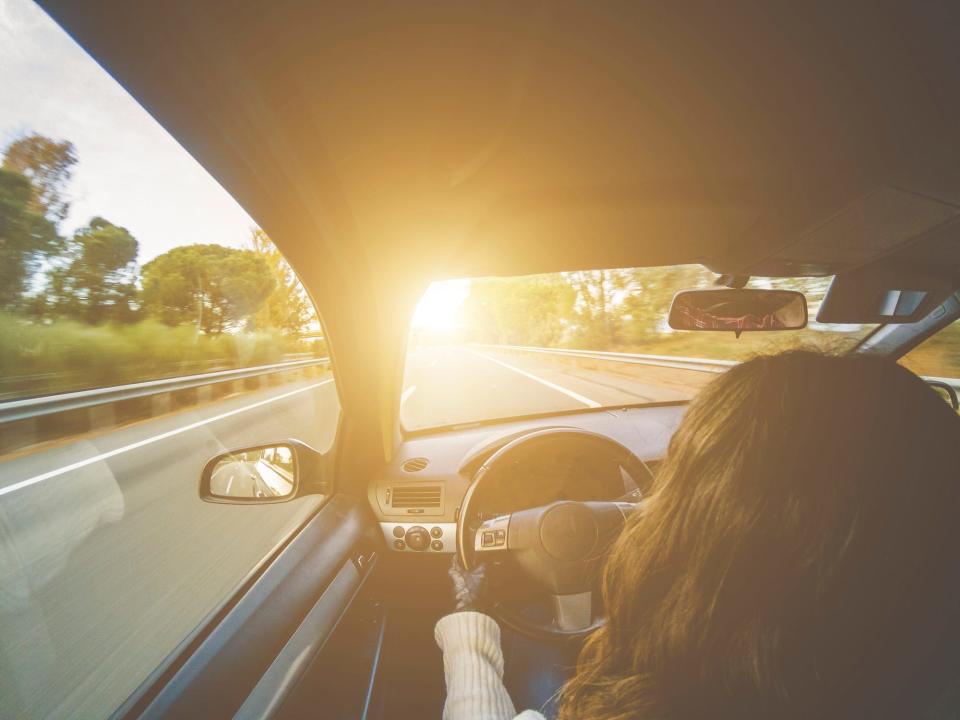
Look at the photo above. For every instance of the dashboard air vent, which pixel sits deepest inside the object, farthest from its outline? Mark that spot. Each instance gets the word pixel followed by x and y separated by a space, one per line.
pixel 416 496
pixel 415 464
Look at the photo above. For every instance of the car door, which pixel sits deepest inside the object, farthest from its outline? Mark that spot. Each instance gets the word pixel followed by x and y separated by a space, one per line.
pixel 147 325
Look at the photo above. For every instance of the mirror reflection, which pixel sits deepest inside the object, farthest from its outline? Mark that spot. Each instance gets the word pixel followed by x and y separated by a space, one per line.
pixel 266 472
pixel 739 310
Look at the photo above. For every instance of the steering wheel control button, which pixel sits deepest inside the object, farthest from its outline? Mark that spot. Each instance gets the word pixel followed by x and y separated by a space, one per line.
pixel 436 532
pixel 568 531
pixel 417 538
pixel 436 545
pixel 398 531
pixel 492 534
pixel 399 544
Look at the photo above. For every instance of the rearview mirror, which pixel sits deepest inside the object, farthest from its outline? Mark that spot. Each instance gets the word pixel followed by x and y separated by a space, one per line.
pixel 743 310
pixel 261 474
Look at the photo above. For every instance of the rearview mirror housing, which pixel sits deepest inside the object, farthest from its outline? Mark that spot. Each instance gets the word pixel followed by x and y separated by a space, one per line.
pixel 738 310
pixel 263 474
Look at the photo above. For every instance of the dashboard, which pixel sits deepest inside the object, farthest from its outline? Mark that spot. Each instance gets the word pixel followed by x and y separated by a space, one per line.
pixel 416 498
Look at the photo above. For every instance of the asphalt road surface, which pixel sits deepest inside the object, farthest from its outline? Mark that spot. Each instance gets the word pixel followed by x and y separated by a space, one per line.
pixel 108 559
pixel 458 385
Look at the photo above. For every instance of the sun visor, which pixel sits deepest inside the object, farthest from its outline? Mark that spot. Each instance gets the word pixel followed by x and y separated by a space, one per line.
pixel 870 295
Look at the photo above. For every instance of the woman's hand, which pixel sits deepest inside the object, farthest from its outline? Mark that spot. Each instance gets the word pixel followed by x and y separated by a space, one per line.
pixel 468 586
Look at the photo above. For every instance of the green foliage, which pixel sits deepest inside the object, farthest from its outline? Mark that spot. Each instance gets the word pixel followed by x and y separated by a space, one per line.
pixel 598 294
pixel 48 165
pixel 92 277
pixel 650 292
pixel 287 308
pixel 532 310
pixel 91 324
pixel 95 280
pixel 25 237
pixel 67 355
pixel 211 286
pixel 625 310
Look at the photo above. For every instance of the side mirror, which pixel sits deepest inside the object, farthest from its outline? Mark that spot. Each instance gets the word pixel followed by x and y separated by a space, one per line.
pixel 946 391
pixel 261 474
pixel 743 310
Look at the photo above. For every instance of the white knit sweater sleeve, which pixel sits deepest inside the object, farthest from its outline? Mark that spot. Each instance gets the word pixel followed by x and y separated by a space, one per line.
pixel 473 667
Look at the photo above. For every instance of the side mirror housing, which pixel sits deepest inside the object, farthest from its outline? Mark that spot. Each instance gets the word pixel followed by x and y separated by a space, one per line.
pixel 738 310
pixel 263 474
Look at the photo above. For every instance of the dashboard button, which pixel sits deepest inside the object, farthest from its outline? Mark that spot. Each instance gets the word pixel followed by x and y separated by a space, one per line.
pixel 417 538
pixel 436 532
pixel 500 537
pixel 399 544
pixel 436 545
pixel 487 540
pixel 398 531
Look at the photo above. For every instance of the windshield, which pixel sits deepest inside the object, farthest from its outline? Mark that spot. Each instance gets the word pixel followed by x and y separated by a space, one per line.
pixel 491 348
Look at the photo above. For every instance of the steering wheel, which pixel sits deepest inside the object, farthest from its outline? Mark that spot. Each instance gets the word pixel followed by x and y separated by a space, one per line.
pixel 560 546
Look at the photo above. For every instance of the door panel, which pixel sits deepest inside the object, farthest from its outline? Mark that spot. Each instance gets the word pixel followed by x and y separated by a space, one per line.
pixel 293 605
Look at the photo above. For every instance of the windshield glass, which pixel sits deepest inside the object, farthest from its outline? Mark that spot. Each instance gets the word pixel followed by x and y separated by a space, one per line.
pixel 490 348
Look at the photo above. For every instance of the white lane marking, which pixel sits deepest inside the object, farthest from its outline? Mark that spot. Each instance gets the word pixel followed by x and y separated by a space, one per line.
pixel 553 386
pixel 150 440
pixel 407 393
pixel 229 485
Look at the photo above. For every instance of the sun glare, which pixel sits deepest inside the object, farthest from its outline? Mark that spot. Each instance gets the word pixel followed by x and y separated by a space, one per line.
pixel 440 305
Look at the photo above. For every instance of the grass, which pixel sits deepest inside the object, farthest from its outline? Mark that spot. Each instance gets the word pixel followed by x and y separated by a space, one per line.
pixel 63 356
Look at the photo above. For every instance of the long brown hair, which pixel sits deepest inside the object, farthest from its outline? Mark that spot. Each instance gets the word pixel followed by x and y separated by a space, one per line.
pixel 796 557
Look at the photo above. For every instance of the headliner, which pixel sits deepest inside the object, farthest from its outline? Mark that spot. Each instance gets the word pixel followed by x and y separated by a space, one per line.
pixel 383 144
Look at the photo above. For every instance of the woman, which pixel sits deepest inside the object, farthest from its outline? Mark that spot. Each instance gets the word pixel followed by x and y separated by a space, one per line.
pixel 795 559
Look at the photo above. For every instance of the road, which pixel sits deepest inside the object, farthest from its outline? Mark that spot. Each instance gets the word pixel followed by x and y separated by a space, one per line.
pixel 457 385
pixel 108 559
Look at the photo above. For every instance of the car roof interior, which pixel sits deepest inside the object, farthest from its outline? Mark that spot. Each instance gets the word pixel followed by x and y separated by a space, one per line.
pixel 383 145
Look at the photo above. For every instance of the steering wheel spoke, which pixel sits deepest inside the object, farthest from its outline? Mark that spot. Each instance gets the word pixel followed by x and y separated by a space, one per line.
pixel 493 535
pixel 573 612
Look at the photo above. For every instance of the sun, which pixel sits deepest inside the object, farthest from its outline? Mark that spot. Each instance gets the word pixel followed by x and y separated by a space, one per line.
pixel 440 305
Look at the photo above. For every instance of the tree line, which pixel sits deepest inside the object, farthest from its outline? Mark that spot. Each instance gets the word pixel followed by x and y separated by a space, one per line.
pixel 92 275
pixel 594 309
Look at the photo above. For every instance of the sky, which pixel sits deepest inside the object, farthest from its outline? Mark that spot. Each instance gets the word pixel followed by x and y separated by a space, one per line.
pixel 130 170
pixel 440 305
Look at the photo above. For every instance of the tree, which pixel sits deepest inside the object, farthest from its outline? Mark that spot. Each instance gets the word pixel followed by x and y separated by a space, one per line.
pixel 25 237
pixel 599 297
pixel 287 308
pixel 96 280
pixel 650 293
pixel 211 286
pixel 534 310
pixel 48 165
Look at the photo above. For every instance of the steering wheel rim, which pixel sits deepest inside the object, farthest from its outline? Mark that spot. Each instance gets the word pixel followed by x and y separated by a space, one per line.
pixel 534 527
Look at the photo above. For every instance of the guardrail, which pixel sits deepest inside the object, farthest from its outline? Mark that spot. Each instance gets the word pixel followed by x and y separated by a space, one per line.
pixel 683 363
pixel 19 419
pixel 671 361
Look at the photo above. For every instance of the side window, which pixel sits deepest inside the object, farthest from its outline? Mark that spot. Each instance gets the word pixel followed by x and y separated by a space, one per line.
pixel 938 356
pixel 146 325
